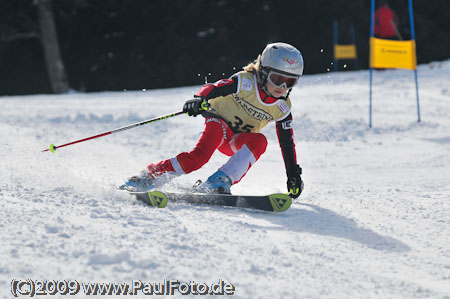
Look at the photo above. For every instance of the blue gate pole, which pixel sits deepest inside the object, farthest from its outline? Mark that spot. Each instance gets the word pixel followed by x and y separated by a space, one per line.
pixel 335 41
pixel 370 99
pixel 417 95
pixel 413 37
pixel 352 32
pixel 372 9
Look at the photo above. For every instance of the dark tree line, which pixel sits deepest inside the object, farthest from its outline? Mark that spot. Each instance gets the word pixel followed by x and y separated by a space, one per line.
pixel 142 44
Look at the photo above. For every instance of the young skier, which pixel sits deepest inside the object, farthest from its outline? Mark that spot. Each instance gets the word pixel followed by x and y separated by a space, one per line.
pixel 235 111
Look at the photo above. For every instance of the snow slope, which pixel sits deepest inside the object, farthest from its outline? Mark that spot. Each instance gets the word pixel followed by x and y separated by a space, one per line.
pixel 373 221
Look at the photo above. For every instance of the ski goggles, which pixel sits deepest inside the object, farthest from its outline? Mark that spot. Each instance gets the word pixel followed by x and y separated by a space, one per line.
pixel 280 79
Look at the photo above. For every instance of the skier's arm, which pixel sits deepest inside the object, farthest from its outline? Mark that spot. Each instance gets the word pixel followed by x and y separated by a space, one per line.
pixel 219 89
pixel 209 91
pixel 286 139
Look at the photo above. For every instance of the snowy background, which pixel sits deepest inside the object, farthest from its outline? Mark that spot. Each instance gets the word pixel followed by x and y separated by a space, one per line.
pixel 373 221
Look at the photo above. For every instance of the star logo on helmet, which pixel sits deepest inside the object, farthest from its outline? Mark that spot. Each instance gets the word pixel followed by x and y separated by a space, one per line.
pixel 290 61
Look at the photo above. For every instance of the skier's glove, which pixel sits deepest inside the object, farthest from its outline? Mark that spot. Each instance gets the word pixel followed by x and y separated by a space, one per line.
pixel 195 106
pixel 294 182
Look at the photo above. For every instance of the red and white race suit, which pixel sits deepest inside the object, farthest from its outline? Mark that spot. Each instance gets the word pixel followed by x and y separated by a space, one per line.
pixel 239 109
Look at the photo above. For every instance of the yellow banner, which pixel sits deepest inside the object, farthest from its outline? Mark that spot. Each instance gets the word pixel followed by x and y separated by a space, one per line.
pixel 344 51
pixel 392 54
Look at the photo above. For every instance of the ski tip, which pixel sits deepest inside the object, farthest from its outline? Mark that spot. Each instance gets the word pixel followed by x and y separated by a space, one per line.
pixel 157 199
pixel 280 202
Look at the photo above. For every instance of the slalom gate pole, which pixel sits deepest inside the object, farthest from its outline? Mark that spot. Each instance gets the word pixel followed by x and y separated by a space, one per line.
pixel 335 42
pixel 413 37
pixel 372 12
pixel 53 147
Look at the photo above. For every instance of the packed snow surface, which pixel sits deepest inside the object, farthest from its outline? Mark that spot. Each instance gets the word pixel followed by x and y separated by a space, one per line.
pixel 372 222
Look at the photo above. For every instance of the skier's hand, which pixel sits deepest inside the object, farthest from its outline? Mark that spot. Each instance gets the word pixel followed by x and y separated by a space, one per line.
pixel 195 106
pixel 294 182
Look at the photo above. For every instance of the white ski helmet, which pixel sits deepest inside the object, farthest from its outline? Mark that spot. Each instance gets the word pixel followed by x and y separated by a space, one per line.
pixel 281 57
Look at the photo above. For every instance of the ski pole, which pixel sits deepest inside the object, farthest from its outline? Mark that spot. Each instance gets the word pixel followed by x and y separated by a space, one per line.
pixel 53 147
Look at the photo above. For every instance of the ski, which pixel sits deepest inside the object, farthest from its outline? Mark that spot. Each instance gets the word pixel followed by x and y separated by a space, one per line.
pixel 277 202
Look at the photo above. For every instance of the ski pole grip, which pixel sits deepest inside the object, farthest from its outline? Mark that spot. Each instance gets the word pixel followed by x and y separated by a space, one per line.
pixel 52 148
pixel 204 105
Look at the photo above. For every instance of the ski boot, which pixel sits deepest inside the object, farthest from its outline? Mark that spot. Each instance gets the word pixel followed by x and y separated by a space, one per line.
pixel 219 182
pixel 139 183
